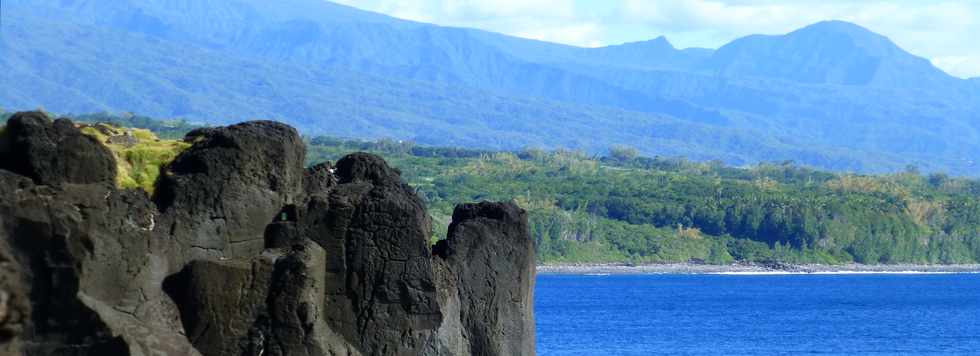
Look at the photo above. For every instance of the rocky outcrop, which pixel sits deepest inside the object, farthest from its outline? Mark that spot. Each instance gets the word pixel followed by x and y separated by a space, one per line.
pixel 378 232
pixel 243 251
pixel 218 196
pixel 487 272
pixel 14 304
pixel 53 153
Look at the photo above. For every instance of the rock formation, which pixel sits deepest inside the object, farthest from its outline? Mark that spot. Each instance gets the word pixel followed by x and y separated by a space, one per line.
pixel 486 270
pixel 243 251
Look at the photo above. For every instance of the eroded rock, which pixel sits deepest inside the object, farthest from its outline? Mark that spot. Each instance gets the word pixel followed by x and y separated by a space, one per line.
pixel 218 195
pixel 380 282
pixel 242 251
pixel 91 269
pixel 488 259
pixel 53 152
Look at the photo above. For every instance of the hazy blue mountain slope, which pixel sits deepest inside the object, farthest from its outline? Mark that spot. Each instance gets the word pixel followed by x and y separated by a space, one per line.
pixel 655 54
pixel 876 120
pixel 87 76
pixel 832 95
pixel 463 57
pixel 830 52
pixel 385 47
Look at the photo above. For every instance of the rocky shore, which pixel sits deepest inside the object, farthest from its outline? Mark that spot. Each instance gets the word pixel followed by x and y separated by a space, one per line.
pixel 750 268
pixel 243 251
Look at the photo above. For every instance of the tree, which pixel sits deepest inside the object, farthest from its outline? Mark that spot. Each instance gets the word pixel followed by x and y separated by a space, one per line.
pixel 623 153
pixel 937 180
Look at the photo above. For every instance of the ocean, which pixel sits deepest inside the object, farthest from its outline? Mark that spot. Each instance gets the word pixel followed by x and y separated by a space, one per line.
pixel 788 314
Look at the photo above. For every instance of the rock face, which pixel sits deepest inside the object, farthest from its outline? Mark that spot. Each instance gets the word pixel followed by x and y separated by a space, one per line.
pixel 53 153
pixel 218 196
pixel 243 251
pixel 488 264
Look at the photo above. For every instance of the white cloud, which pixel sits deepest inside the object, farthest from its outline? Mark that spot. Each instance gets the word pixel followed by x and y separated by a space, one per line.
pixel 547 20
pixel 564 9
pixel 944 30
pixel 961 66
pixel 584 35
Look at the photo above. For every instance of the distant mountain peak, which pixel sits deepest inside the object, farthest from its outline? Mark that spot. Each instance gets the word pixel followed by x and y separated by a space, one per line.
pixel 817 95
pixel 837 31
pixel 837 26
pixel 827 52
pixel 659 43
pixel 653 54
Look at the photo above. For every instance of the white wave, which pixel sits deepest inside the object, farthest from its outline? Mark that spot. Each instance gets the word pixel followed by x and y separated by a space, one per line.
pixel 891 272
pixel 767 273
pixel 754 273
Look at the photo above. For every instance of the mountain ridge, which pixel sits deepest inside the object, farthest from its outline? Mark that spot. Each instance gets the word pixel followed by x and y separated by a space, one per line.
pixel 846 54
pixel 304 63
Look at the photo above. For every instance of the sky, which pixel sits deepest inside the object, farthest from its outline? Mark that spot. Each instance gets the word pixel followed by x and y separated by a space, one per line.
pixel 947 32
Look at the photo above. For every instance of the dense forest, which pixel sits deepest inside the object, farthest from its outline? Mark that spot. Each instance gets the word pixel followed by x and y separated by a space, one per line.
pixel 626 208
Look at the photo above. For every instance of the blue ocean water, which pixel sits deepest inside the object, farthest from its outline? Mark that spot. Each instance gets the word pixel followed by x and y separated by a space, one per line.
pixel 864 314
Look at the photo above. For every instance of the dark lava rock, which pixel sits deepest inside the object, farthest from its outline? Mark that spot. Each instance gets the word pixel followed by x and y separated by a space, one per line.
pixel 319 179
pixel 218 196
pixel 91 267
pixel 488 258
pixel 380 230
pixel 54 152
pixel 15 308
pixel 244 252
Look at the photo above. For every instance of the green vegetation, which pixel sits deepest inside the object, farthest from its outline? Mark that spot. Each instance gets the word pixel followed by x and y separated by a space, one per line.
pixel 164 129
pixel 633 209
pixel 157 143
pixel 138 159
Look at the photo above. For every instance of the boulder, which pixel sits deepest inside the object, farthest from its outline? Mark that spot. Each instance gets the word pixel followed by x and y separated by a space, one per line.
pixel 54 152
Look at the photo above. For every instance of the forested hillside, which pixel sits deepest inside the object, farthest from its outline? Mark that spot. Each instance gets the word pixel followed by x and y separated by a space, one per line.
pixel 634 209
pixel 832 95
pixel 650 210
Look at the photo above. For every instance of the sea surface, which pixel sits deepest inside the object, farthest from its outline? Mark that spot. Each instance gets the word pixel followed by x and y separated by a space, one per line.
pixel 784 314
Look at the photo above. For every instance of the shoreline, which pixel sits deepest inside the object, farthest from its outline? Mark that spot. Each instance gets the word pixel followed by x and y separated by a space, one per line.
pixel 753 269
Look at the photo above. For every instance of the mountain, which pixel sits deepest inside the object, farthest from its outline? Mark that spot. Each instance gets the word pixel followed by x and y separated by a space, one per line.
pixel 832 95
pixel 655 54
pixel 829 52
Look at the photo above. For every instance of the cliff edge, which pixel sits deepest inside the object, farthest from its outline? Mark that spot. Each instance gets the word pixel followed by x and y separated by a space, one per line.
pixel 241 250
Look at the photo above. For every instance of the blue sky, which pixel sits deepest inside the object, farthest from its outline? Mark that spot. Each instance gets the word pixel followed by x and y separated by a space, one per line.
pixel 946 32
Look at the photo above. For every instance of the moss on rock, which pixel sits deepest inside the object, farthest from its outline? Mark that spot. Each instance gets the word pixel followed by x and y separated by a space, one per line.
pixel 138 162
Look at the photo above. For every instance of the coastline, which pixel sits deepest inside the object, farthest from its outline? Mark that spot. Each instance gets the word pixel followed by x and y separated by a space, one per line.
pixel 753 268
